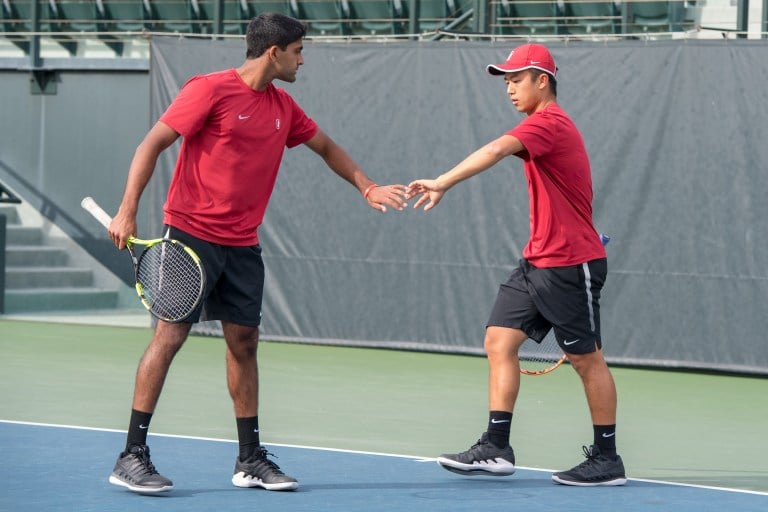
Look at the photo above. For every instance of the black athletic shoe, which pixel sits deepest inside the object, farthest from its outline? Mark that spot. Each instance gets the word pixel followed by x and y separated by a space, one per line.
pixel 483 458
pixel 596 470
pixel 135 470
pixel 258 471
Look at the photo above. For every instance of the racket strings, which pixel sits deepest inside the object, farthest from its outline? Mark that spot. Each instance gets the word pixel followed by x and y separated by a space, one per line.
pixel 171 280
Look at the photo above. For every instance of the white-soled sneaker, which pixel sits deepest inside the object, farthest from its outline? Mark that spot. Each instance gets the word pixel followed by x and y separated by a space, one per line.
pixel 483 458
pixel 259 471
pixel 135 471
pixel 596 470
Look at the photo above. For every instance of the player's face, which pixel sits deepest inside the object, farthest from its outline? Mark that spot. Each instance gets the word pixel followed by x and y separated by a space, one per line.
pixel 289 60
pixel 524 91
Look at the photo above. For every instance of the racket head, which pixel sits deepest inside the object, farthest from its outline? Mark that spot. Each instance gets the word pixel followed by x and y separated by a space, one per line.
pixel 170 279
pixel 541 358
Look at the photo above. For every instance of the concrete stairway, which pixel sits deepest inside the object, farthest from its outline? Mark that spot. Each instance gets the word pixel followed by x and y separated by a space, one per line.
pixel 40 276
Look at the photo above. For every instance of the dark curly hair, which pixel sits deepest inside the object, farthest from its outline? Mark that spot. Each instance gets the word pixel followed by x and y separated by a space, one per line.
pixel 272 29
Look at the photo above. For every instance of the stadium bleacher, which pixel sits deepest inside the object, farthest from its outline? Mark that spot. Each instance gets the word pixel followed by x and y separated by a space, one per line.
pixel 65 23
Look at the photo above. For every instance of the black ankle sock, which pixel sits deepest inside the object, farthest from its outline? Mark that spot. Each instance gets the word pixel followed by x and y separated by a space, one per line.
pixel 499 423
pixel 138 428
pixel 248 435
pixel 605 439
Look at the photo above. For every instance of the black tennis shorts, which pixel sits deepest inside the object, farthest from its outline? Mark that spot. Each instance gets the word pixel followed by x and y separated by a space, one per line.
pixel 234 280
pixel 566 299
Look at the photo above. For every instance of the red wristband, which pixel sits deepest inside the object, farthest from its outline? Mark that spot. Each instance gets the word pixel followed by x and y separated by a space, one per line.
pixel 368 190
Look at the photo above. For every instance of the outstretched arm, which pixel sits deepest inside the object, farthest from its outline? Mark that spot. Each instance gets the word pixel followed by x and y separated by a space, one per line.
pixel 479 161
pixel 339 161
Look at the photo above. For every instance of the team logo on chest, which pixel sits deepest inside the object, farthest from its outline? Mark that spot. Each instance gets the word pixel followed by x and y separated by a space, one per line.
pixel 277 123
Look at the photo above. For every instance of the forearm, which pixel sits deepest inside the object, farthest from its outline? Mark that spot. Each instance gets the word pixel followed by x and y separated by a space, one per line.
pixel 479 161
pixel 339 161
pixel 139 174
pixel 143 165
pixel 345 167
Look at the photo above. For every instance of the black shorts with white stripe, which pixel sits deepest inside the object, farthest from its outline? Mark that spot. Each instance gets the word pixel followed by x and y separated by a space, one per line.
pixel 566 299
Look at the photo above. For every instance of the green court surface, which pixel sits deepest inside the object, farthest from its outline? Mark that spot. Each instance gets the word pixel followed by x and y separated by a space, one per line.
pixel 695 428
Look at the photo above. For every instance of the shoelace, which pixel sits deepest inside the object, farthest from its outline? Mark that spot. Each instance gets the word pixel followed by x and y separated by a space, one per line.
pixel 591 457
pixel 146 462
pixel 480 442
pixel 261 455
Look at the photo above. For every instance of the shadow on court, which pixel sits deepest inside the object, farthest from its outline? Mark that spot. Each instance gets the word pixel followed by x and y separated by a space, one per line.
pixel 64 468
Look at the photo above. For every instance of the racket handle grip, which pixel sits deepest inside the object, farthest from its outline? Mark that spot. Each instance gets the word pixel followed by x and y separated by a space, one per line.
pixel 94 209
pixel 605 239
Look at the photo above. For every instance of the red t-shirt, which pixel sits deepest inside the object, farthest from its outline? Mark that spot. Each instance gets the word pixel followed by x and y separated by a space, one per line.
pixel 233 142
pixel 559 190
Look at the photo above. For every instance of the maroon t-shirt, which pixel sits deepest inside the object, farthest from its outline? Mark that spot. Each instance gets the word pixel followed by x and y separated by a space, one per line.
pixel 233 142
pixel 559 189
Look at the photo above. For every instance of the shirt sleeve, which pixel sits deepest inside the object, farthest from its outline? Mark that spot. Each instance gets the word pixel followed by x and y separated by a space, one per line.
pixel 537 135
pixel 303 127
pixel 189 110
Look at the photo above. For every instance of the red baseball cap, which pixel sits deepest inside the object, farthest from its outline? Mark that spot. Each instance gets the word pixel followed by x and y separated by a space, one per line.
pixel 525 57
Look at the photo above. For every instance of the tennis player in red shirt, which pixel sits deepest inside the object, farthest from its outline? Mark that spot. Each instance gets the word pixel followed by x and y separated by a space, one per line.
pixel 558 281
pixel 235 125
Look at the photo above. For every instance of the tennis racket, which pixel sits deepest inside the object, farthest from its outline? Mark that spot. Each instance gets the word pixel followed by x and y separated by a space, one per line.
pixel 542 358
pixel 170 279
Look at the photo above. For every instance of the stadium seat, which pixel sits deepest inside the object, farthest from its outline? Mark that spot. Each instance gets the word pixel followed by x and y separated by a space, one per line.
pixel 435 14
pixel 17 17
pixel 527 17
pixel 374 17
pixel 177 16
pixel 125 15
pixel 650 16
pixel 234 19
pixel 289 8
pixel 590 17
pixel 323 17
pixel 78 15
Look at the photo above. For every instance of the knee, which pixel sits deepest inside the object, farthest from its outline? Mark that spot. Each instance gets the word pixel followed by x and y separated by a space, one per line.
pixel 168 339
pixel 492 346
pixel 502 342
pixel 243 346
pixel 585 364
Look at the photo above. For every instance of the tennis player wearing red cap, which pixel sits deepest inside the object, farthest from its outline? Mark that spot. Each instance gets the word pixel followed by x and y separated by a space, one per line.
pixel 559 278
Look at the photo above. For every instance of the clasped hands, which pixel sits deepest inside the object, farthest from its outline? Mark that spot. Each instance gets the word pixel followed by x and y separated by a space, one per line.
pixel 396 196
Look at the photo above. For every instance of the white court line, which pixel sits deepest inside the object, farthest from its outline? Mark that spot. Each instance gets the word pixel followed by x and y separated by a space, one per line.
pixel 359 452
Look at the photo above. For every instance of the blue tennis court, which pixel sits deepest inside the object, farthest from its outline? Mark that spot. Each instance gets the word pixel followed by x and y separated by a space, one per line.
pixel 351 406
pixel 51 467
